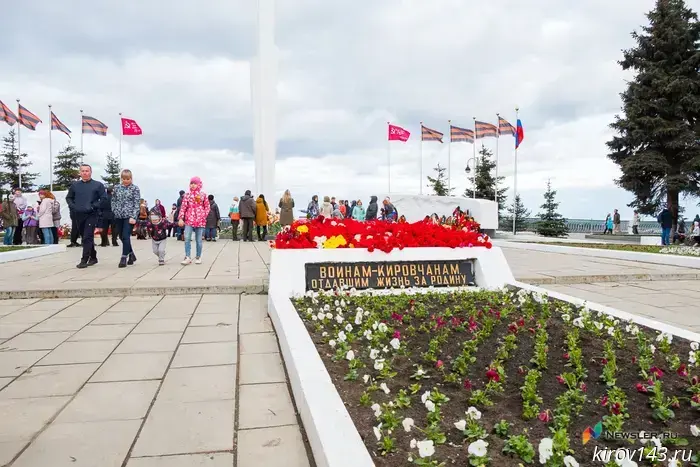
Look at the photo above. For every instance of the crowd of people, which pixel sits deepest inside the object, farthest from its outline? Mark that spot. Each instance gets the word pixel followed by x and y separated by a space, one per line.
pixel 28 224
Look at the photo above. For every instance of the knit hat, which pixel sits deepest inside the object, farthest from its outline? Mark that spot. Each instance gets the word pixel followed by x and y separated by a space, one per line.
pixel 197 181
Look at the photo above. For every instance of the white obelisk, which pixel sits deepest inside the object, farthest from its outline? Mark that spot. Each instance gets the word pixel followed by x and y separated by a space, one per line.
pixel 263 83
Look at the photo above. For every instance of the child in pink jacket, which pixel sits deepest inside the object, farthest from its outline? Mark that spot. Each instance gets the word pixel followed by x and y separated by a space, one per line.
pixel 193 217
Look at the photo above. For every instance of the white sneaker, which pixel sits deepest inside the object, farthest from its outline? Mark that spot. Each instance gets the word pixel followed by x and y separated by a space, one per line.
pixel 198 261
pixel 186 261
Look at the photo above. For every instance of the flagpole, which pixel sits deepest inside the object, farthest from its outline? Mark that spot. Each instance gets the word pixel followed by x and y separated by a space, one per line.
pixel 82 154
pixel 515 176
pixel 498 136
pixel 19 147
pixel 421 158
pixel 476 161
pixel 50 151
pixel 449 158
pixel 121 133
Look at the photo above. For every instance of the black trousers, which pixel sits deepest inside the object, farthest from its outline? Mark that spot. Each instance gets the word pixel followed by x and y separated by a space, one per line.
pixel 234 229
pixel 17 237
pixel 248 229
pixel 635 230
pixel 86 226
pixel 106 223
pixel 264 231
pixel 74 229
pixel 54 230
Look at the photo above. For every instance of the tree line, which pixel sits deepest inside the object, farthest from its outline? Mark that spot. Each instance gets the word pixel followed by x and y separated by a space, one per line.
pixel 66 168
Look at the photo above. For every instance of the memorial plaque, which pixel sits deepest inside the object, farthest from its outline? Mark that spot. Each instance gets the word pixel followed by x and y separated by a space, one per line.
pixel 384 275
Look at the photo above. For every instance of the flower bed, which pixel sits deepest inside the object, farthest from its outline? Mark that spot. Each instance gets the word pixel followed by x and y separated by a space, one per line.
pixel 501 378
pixel 379 235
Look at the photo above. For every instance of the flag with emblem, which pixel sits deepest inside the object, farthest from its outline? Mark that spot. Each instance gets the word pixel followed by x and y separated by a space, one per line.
pixel 27 119
pixel 458 134
pixel 94 126
pixel 428 134
pixel 6 115
pixel 56 124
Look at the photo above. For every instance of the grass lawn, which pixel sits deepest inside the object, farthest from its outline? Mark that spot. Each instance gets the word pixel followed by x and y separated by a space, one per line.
pixel 496 378
pixel 679 250
pixel 3 249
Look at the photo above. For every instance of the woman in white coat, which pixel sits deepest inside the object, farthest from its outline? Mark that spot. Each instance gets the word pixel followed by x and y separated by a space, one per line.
pixel 46 217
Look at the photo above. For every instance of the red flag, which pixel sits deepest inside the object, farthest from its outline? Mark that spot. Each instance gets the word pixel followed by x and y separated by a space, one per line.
pixel 396 133
pixel 130 127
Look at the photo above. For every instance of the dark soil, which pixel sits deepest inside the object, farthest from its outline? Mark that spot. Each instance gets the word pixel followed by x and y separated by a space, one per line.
pixel 507 405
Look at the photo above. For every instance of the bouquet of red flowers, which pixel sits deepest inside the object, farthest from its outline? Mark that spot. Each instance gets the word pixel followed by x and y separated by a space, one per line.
pixel 380 235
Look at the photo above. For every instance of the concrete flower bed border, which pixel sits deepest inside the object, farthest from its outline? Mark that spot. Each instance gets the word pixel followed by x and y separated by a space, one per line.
pixel 330 430
pixel 33 252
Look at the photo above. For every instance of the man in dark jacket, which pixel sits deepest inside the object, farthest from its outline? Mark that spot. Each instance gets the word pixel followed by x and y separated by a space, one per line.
pixel 616 222
pixel 372 209
pixel 666 220
pixel 213 219
pixel 108 219
pixel 179 232
pixel 84 199
pixel 247 209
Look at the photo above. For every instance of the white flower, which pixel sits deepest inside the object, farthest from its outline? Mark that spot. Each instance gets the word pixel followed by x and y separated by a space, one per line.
pixel 377 433
pixel 546 450
pixel 694 346
pixel 623 458
pixel 373 354
pixel 652 349
pixel 326 307
pixel 336 303
pixel 578 322
pixel 425 448
pixel 395 343
pixel 359 309
pixel 598 325
pixel 694 430
pixel 324 334
pixel 692 358
pixel 377 409
pixel 341 336
pixel 473 413
pixel 478 448
pixel 430 405
pixel 342 303
pixel 425 396
pixel 413 443
pixel 358 319
pixel 374 326
pixel 642 437
pixel 664 337
pixel 656 442
pixel 329 315
pixel 566 317
pixel 384 388
pixel 331 343
pixel 674 463
pixel 350 356
pixel 348 328
pixel 309 311
pixel 461 425
pixel 611 331
pixel 569 461
pixel 407 423
pixel 339 319
pixel 320 315
pixel 365 378
pixel 382 327
pixel 367 334
pixel 379 364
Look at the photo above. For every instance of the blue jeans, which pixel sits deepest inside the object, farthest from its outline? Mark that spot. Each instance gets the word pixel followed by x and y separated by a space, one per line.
pixel 48 235
pixel 198 232
pixel 210 232
pixel 9 235
pixel 665 235
pixel 125 229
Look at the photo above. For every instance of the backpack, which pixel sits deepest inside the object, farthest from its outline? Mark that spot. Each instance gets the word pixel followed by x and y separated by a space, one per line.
pixel 56 210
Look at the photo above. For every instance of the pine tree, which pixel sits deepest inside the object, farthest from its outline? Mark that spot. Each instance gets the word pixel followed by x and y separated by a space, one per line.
pixel 112 174
pixel 656 145
pixel 551 223
pixel 486 182
pixel 66 168
pixel 439 184
pixel 14 164
pixel 521 215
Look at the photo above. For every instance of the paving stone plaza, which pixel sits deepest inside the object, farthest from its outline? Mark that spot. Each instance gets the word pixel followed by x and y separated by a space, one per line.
pixel 108 374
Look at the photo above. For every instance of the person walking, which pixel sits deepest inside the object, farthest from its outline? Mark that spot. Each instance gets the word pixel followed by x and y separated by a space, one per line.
pixel 9 219
pixel 234 214
pixel 178 230
pixel 108 219
pixel 248 210
pixel 312 209
pixel 616 222
pixel 358 213
pixel 30 223
pixel 161 209
pixel 213 220
pixel 608 225
pixel 193 218
pixel 46 217
pixel 635 222
pixel 372 209
pixel 261 212
pixel 286 206
pixel 85 197
pixel 171 221
pixel 125 208
pixel 326 208
pixel 666 220
pixel 21 204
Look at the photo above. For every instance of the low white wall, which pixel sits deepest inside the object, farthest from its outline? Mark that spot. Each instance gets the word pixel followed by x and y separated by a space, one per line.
pixel 416 207
pixel 654 258
pixel 33 252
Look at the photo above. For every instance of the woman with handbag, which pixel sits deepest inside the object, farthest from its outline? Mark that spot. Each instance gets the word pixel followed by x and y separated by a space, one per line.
pixel 235 216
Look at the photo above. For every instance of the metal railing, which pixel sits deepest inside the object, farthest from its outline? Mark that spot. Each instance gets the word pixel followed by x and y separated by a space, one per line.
pixel 588 226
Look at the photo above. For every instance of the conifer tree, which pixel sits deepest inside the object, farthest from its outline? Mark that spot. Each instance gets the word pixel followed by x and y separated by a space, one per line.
pixel 66 168
pixel 486 182
pixel 13 164
pixel 521 215
pixel 657 145
pixel 112 174
pixel 439 183
pixel 551 223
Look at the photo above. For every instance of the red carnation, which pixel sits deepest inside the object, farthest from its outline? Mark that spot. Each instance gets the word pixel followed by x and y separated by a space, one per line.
pixel 521 322
pixel 513 328
pixel 656 372
pixel 439 364
pixel 682 370
pixel 604 400
pixel 493 375
pixel 616 408
pixel 634 359
pixel 397 334
pixel 604 361
pixel 583 387
pixel 695 398
pixel 561 379
pixel 467 385
pixel 641 388
pixel 566 356
pixel 545 416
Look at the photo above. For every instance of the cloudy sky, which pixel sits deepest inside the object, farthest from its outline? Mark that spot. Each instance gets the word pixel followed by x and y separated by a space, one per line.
pixel 182 70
